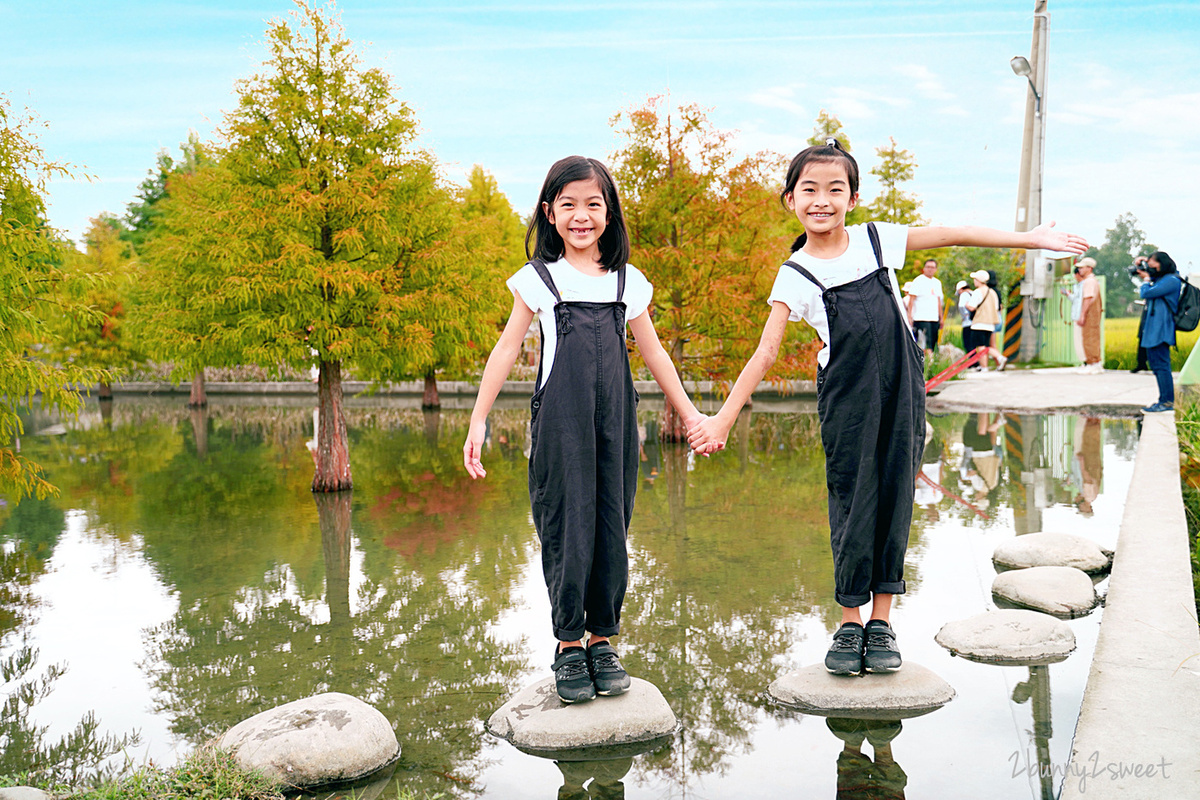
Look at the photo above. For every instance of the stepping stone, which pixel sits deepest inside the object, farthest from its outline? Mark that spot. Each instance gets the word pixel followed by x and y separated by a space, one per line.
pixel 910 692
pixel 1065 592
pixel 23 793
pixel 535 721
pixel 928 431
pixel 1053 550
pixel 1009 637
pixel 324 739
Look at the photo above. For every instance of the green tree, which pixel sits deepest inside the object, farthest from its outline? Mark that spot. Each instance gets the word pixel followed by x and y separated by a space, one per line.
pixel 1122 242
pixel 896 167
pixel 828 126
pixel 704 225
pixel 105 272
pixel 161 288
pixel 31 279
pixel 461 341
pixel 320 235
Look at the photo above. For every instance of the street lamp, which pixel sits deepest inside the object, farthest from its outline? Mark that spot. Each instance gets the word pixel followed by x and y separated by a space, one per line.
pixel 1020 66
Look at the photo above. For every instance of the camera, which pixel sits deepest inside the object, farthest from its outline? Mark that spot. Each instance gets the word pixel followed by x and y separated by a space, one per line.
pixel 1134 269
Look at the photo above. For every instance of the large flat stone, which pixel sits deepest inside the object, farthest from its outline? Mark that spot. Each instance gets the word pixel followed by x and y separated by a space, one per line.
pixel 535 721
pixel 1052 550
pixel 1065 592
pixel 23 793
pixel 1009 637
pixel 320 740
pixel 911 692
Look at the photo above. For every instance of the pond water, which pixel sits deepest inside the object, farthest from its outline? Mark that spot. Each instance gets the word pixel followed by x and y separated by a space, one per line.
pixel 187 578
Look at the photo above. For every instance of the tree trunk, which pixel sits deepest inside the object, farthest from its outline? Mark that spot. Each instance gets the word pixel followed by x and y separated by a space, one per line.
pixel 673 428
pixel 200 431
pixel 106 404
pixel 433 420
pixel 333 449
pixel 198 398
pixel 333 516
pixel 431 399
pixel 105 392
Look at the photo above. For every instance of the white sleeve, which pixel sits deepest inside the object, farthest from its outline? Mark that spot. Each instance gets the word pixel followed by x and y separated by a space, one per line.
pixel 531 288
pixel 793 290
pixel 893 241
pixel 638 293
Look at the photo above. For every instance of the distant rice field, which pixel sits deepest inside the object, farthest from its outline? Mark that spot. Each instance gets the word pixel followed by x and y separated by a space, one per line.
pixel 1120 344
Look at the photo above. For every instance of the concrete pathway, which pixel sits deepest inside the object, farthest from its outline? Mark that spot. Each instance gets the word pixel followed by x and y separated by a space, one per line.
pixel 1139 726
pixel 1109 393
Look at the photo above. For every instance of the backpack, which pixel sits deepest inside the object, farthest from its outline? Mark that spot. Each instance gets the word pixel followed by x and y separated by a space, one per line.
pixel 1187 315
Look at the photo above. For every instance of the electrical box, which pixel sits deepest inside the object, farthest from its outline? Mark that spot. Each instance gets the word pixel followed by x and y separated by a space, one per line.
pixel 1043 278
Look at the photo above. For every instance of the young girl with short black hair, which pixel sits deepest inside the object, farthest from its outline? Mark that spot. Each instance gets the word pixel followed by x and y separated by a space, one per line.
pixel 583 461
pixel 870 383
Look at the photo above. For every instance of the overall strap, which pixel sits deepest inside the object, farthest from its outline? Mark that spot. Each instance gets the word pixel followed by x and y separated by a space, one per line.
pixel 874 236
pixel 540 267
pixel 805 273
pixel 620 283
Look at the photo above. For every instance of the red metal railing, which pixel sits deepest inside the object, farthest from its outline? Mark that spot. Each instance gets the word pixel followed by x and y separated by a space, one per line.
pixel 958 366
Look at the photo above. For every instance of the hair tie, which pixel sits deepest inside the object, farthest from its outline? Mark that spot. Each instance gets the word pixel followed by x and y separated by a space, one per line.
pixel 832 142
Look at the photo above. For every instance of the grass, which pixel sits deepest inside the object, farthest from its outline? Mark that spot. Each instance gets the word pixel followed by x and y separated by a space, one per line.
pixel 1187 424
pixel 207 774
pixel 1120 344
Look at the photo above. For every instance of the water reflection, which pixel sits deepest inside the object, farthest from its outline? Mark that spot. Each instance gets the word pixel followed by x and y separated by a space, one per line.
pixel 863 777
pixel 414 591
pixel 593 780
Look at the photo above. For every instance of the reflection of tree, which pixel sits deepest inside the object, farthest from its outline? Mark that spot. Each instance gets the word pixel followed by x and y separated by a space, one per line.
pixel 722 562
pixel 413 638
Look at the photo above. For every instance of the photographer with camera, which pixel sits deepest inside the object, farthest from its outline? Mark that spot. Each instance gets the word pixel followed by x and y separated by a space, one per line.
pixel 1160 289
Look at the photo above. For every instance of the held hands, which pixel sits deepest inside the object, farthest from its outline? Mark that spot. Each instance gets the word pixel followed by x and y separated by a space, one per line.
pixel 1044 237
pixel 708 435
pixel 472 449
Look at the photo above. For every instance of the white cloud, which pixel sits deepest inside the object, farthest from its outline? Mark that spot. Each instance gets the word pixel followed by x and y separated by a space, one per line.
pixel 925 82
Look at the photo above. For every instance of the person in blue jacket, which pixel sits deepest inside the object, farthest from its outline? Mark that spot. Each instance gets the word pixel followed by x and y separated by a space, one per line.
pixel 1161 293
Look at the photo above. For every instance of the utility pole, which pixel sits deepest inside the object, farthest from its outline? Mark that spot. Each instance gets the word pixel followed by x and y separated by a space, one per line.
pixel 1029 188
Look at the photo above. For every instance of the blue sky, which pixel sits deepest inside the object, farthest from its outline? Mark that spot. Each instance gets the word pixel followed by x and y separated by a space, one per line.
pixel 515 85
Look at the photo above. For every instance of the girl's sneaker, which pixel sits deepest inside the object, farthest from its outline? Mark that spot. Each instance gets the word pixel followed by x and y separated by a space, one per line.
pixel 571 676
pixel 845 656
pixel 880 653
pixel 609 677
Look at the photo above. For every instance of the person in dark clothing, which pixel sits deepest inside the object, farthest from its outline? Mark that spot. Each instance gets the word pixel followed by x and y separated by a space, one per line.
pixel 870 384
pixel 583 462
pixel 1161 293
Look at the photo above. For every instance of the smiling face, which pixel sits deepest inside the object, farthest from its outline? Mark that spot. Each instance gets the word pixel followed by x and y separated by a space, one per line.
pixel 822 197
pixel 579 214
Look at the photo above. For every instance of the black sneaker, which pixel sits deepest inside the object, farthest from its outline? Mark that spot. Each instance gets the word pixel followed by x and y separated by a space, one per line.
pixel 608 675
pixel 881 653
pixel 571 677
pixel 845 656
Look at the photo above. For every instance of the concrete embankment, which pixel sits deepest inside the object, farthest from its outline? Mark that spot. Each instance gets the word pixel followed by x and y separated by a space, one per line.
pixel 1139 726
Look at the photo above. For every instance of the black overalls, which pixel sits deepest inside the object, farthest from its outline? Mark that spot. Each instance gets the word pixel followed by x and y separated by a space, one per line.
pixel 583 464
pixel 871 403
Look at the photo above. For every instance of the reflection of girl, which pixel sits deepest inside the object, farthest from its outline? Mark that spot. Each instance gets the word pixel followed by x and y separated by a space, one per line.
pixel 1161 293
pixel 981 456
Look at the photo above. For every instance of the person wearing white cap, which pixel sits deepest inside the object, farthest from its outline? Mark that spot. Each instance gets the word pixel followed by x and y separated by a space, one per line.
pixel 984 305
pixel 1089 315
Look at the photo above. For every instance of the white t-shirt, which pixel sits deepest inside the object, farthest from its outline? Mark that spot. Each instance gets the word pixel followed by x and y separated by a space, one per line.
pixel 803 297
pixel 926 292
pixel 574 285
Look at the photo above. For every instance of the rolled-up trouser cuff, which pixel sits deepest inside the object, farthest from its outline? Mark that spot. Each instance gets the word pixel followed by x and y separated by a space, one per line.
pixel 564 635
pixel 893 587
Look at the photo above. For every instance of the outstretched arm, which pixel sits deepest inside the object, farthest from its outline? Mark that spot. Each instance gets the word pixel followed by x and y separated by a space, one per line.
pixel 712 433
pixel 1043 237
pixel 662 368
pixel 499 364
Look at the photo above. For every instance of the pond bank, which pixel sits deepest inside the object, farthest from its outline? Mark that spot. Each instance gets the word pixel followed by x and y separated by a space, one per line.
pixel 1136 735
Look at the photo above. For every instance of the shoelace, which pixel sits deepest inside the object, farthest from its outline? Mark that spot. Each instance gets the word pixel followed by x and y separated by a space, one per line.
pixel 845 641
pixel 881 639
pixel 569 670
pixel 606 662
